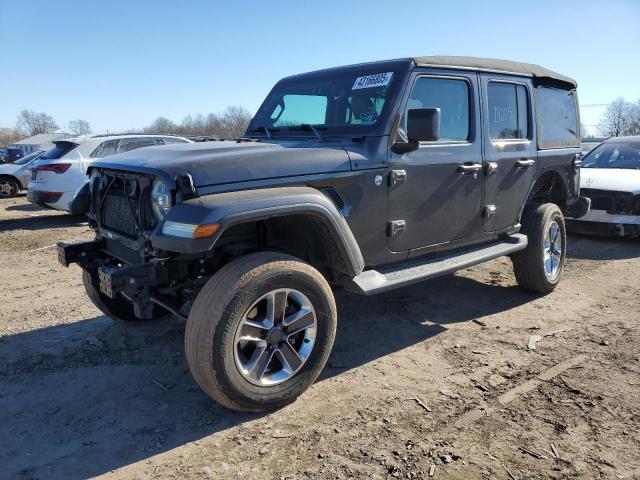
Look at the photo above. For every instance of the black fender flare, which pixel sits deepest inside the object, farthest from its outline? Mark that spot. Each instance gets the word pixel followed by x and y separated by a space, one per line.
pixel 233 208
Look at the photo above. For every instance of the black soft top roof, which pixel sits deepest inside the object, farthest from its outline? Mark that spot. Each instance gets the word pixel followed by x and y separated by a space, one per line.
pixel 539 74
pixel 495 65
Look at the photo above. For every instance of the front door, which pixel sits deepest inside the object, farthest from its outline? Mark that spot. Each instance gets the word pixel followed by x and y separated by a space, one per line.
pixel 435 192
pixel 510 149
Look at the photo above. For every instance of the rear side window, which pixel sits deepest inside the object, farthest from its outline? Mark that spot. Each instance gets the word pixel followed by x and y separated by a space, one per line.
pixel 59 151
pixel 451 96
pixel 110 147
pixel 170 140
pixel 557 118
pixel 128 144
pixel 508 111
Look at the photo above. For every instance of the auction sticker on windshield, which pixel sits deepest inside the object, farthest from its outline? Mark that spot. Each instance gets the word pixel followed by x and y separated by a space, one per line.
pixel 368 81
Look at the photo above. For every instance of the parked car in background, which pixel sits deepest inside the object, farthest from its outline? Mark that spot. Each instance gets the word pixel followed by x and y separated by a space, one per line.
pixel 589 143
pixel 59 179
pixel 611 179
pixel 15 176
pixel 11 154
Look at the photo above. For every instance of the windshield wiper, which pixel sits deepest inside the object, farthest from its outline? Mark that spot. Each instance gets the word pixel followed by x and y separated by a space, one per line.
pixel 309 128
pixel 267 130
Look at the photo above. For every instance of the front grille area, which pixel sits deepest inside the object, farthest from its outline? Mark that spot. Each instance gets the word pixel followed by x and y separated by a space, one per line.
pixel 615 203
pixel 117 214
pixel 121 251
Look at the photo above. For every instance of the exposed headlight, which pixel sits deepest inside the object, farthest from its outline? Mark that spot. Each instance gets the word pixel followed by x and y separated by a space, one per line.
pixel 160 199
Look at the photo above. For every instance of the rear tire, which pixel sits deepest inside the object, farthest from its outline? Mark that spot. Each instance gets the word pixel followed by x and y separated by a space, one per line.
pixel 538 267
pixel 9 187
pixel 236 298
pixel 116 308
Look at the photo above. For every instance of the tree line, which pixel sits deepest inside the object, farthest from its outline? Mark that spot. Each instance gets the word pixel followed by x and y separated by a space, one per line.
pixel 621 118
pixel 230 124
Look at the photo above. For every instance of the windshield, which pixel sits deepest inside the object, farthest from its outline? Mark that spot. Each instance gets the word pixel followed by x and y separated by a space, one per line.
pixel 614 155
pixel 28 158
pixel 345 102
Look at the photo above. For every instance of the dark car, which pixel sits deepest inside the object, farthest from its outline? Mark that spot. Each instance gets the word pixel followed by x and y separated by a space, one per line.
pixel 11 154
pixel 367 177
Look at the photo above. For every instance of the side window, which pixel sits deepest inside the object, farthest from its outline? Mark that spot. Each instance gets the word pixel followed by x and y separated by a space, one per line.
pixel 170 140
pixel 451 96
pixel 508 111
pixel 128 144
pixel 557 118
pixel 110 147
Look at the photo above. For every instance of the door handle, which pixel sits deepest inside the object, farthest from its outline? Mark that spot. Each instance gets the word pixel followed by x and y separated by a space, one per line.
pixel 469 168
pixel 525 163
pixel 490 167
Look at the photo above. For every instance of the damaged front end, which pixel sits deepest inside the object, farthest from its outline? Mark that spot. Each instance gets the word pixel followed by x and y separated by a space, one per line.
pixel 612 213
pixel 122 262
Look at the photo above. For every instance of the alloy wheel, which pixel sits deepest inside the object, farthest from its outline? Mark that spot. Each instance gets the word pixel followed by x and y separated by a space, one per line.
pixel 552 251
pixel 275 337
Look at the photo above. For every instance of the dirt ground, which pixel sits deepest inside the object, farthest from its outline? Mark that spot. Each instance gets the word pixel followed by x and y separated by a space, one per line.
pixel 432 381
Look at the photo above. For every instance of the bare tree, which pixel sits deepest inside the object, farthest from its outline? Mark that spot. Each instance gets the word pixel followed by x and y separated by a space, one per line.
pixel 79 127
pixel 235 121
pixel 232 123
pixel 634 122
pixel 30 123
pixel 161 125
pixel 8 136
pixel 616 120
pixel 213 125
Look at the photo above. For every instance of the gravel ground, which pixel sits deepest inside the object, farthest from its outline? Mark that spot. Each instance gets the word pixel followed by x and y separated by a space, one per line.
pixel 435 380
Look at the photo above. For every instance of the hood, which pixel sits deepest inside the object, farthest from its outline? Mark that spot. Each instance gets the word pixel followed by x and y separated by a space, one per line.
pixel 616 179
pixel 215 163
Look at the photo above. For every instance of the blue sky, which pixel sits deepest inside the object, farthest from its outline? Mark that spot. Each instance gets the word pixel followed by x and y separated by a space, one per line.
pixel 120 64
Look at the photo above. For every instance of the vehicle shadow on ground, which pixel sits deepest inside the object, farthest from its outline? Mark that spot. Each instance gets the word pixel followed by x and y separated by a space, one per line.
pixel 42 222
pixel 82 399
pixel 587 247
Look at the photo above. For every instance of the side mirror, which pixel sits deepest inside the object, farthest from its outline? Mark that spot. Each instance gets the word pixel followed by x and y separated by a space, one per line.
pixel 423 124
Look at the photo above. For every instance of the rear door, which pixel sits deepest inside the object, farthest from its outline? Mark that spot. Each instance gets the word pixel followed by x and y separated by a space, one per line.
pixel 510 149
pixel 435 192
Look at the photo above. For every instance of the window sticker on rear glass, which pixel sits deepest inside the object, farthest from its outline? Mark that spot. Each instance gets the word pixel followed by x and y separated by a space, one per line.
pixel 368 81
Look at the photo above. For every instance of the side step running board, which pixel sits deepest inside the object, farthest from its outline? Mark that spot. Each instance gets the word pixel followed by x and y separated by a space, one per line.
pixel 376 281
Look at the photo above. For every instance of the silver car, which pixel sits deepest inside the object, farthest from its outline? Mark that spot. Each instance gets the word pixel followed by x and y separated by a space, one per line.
pixel 15 176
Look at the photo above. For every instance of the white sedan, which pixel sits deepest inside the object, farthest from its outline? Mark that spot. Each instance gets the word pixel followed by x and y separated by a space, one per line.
pixel 610 177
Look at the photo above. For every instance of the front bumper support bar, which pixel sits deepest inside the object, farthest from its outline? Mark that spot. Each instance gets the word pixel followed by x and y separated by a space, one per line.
pixel 133 282
pixel 81 253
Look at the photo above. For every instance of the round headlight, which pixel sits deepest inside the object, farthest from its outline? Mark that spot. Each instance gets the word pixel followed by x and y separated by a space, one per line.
pixel 160 199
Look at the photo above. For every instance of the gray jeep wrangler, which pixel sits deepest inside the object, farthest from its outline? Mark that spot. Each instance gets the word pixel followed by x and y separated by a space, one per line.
pixel 367 177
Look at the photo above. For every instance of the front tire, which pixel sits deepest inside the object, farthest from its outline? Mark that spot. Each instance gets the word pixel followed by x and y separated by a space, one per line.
pixel 539 266
pixel 260 331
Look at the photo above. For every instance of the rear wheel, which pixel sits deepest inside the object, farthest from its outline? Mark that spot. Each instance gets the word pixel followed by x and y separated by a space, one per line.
pixel 8 187
pixel 539 266
pixel 116 308
pixel 260 331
